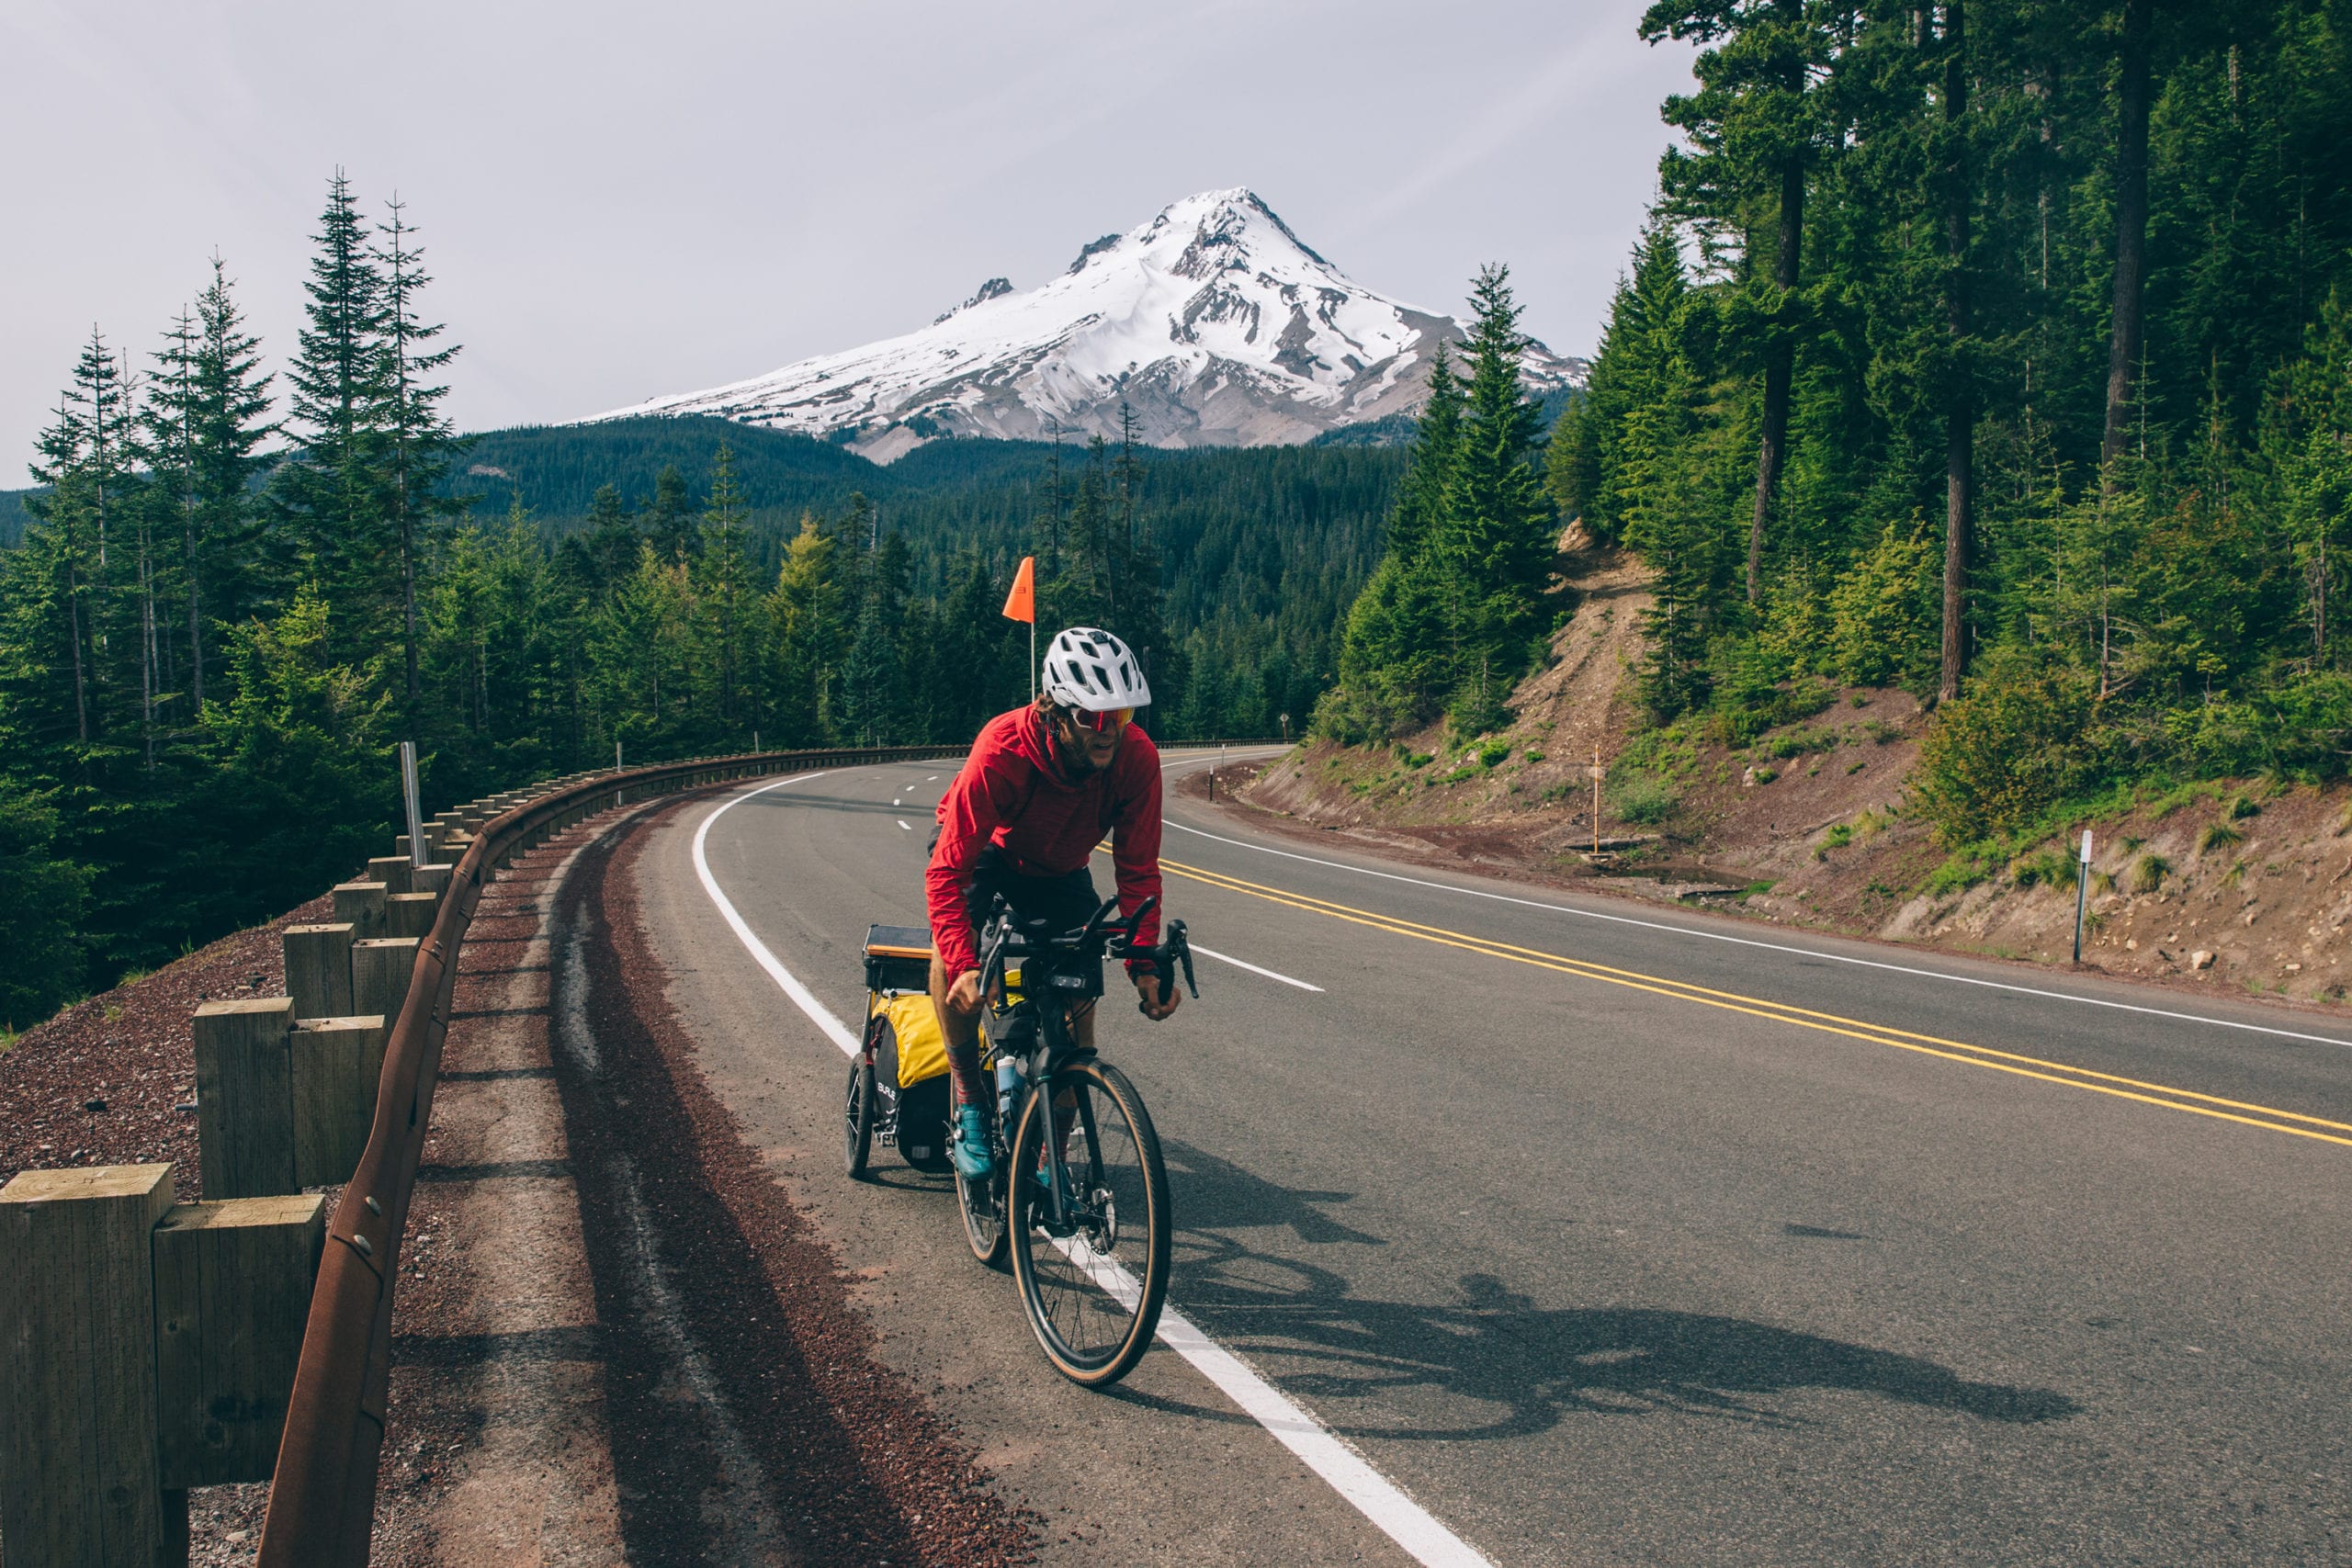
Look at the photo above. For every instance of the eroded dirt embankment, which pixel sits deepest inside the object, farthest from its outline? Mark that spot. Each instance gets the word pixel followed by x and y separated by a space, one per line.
pixel 2231 884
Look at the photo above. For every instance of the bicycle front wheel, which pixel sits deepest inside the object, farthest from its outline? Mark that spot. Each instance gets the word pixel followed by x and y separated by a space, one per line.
pixel 1092 1269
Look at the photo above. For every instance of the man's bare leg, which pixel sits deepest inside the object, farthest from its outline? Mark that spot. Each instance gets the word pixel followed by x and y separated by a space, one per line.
pixel 961 1032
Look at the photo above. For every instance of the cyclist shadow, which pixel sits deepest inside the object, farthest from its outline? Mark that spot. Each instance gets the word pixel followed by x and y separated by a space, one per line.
pixel 1503 1363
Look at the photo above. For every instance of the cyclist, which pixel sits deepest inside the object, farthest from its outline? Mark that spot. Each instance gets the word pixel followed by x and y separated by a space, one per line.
pixel 1041 787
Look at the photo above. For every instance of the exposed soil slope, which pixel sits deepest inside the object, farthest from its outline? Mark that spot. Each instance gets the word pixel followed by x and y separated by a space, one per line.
pixel 2233 884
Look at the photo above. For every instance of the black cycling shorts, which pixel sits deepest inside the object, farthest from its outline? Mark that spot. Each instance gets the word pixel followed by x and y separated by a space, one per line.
pixel 1064 903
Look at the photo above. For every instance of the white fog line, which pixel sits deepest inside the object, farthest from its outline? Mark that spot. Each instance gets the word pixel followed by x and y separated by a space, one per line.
pixel 835 1030
pixel 1237 964
pixel 1376 1496
pixel 1771 946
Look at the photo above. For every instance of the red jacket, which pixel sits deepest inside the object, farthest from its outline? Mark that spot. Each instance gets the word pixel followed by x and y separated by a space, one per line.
pixel 1012 792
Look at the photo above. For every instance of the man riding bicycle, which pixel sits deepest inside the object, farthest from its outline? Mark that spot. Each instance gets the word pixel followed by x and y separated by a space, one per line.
pixel 1041 787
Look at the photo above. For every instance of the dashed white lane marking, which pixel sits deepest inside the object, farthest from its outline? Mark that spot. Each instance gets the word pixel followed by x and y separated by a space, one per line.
pixel 1237 964
pixel 908 825
pixel 1373 1495
pixel 1769 946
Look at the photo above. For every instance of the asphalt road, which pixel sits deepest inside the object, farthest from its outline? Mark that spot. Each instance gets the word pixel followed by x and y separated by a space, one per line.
pixel 1611 1234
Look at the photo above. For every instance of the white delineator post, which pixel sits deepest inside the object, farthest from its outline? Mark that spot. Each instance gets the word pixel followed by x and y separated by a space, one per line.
pixel 2082 892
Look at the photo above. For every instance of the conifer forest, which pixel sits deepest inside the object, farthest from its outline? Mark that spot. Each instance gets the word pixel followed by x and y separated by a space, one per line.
pixel 1996 349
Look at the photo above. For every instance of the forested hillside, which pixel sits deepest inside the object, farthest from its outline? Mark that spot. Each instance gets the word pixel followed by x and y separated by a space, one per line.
pixel 237 587
pixel 1996 349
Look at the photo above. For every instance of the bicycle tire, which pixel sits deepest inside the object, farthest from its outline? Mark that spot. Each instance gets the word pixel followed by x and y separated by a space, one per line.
pixel 1066 1281
pixel 984 1230
pixel 857 1119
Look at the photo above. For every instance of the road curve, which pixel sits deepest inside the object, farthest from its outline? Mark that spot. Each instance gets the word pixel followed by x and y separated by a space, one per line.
pixel 1606 1234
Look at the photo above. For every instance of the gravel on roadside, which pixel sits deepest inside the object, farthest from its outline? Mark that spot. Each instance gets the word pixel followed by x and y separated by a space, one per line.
pixel 112 1080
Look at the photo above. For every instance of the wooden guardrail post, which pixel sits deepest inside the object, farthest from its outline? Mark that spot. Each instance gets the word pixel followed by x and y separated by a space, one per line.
pixel 145 1347
pixel 317 969
pixel 410 914
pixel 335 1066
pixel 380 968
pixel 79 1486
pixel 232 1292
pixel 434 877
pixel 244 1097
pixel 389 869
pixel 360 906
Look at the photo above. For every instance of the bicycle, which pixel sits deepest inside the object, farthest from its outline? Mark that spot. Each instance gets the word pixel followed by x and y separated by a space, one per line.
pixel 1073 1237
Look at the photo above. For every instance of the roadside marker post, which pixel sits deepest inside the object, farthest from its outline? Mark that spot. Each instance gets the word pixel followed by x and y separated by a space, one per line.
pixel 416 848
pixel 2082 892
pixel 1596 800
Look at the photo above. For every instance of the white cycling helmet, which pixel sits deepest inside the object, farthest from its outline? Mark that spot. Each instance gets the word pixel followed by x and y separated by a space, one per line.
pixel 1093 671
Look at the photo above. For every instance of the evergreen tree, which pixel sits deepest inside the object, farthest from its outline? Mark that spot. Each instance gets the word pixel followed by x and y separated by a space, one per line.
pixel 1496 538
pixel 1756 126
pixel 726 597
pixel 670 521
pixel 223 427
pixel 418 438
pixel 332 490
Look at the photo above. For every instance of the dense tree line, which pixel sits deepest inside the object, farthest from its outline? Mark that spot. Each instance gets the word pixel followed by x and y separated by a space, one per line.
pixel 1456 611
pixel 1998 348
pixel 236 590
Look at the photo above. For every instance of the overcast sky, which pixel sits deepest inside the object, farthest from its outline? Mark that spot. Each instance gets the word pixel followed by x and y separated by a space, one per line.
pixel 623 200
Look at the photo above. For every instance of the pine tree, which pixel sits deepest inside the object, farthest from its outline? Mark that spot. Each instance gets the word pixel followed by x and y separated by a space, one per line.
pixel 84 462
pixel 724 594
pixel 1756 126
pixel 202 426
pixel 333 491
pixel 420 439
pixel 1398 643
pixel 804 611
pixel 228 424
pixel 670 521
pixel 1496 541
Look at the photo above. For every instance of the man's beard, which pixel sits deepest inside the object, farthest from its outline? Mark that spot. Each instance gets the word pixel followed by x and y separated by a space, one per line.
pixel 1075 761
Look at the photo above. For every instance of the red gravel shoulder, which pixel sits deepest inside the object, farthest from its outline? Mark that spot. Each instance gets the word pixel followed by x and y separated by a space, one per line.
pixel 112 1080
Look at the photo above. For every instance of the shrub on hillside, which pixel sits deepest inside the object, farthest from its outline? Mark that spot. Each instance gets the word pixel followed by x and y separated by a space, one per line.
pixel 2003 753
pixel 1642 798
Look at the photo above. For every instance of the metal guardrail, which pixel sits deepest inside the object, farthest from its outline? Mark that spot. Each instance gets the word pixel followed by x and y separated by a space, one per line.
pixel 322 1499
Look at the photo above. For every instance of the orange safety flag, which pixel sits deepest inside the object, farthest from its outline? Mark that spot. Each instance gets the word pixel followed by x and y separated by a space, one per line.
pixel 1021 605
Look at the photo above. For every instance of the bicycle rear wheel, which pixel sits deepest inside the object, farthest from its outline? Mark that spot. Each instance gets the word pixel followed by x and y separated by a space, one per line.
pixel 857 1117
pixel 1094 1282
pixel 982 1204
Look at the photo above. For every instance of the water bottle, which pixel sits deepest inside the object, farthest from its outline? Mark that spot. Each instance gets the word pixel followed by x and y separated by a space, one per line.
pixel 1008 1085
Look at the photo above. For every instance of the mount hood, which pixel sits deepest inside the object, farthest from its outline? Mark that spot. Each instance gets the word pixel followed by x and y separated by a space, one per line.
pixel 1214 323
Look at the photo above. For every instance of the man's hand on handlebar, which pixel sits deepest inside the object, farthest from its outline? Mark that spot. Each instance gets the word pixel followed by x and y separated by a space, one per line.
pixel 964 995
pixel 1154 1006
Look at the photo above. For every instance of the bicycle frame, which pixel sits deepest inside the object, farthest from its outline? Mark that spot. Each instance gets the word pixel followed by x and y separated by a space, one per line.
pixel 1066 969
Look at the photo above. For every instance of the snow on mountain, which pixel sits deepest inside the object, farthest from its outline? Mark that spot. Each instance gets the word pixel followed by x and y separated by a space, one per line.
pixel 1213 322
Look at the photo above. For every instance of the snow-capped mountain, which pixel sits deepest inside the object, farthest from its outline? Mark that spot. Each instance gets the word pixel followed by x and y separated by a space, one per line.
pixel 1213 322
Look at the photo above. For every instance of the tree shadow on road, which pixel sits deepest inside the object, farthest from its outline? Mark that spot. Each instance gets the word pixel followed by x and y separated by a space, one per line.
pixel 1521 1366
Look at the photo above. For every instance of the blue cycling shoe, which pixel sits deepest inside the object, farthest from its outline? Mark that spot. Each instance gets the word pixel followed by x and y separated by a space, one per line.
pixel 968 1146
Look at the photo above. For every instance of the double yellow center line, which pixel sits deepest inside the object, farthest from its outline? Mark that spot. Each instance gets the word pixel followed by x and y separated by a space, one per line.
pixel 2269 1118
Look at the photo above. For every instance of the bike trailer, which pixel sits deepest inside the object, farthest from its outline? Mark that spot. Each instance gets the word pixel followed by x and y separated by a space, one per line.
pixel 909 1054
